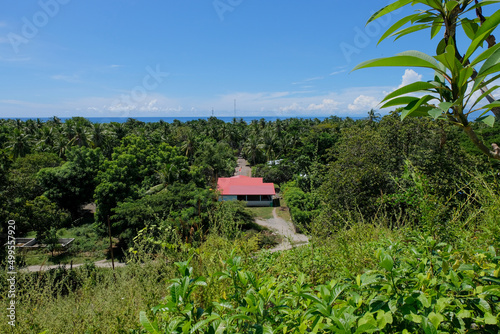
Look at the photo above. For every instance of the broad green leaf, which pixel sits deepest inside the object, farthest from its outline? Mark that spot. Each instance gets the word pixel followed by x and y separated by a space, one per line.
pixel 464 314
pixel 148 325
pixel 311 297
pixel 448 59
pixel 490 62
pixel 366 328
pixel 202 323
pixel 464 75
pixel 383 318
pixel 483 95
pixel 414 109
pixel 493 69
pixel 442 303
pixel 482 305
pixel 484 55
pixel 441 47
pixel 450 5
pixel 413 317
pixel 398 61
pixel 413 87
pixel 436 27
pixel 445 106
pixel 435 113
pixel 396 26
pixel 267 329
pixel 409 30
pixel 489 120
pixel 403 100
pixel 483 4
pixel 492 105
pixel 490 319
pixel 386 261
pixel 428 327
pixel 424 300
pixel 436 319
pixel 470 27
pixel 389 8
pixel 482 33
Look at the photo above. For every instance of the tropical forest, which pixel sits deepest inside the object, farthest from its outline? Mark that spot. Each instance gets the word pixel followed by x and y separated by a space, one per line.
pixel 400 213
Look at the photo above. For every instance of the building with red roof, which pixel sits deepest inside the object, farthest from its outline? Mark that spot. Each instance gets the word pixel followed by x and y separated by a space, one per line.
pixel 252 190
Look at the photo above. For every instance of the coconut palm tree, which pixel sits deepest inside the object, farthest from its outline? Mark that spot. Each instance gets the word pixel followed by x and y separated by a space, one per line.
pixel 19 144
pixel 373 116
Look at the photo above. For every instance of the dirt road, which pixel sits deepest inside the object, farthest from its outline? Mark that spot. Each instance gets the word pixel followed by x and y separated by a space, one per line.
pixel 286 230
pixel 243 168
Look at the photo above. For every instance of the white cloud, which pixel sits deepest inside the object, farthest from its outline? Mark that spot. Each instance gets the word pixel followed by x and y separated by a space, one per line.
pixel 313 79
pixel 363 103
pixel 338 72
pixel 67 78
pixel 354 101
pixel 325 106
pixel 409 77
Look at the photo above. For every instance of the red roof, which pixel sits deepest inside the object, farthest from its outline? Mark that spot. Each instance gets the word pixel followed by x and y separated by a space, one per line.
pixel 244 185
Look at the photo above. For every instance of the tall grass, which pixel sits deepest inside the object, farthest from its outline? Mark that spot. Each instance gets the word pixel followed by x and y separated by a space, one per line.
pixel 86 299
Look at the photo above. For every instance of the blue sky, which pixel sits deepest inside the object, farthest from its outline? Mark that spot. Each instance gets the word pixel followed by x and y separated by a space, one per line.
pixel 133 58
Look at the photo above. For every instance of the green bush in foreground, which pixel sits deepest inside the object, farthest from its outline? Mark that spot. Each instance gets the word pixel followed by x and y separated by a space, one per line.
pixel 422 287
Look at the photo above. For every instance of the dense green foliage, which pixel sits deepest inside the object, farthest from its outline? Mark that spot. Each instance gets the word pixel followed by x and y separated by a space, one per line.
pixel 366 191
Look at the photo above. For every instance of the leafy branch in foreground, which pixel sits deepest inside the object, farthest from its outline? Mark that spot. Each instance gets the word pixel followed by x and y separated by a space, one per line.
pixel 424 286
pixel 458 89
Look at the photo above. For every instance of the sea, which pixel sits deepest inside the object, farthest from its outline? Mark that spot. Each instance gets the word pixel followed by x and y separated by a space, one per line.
pixel 171 119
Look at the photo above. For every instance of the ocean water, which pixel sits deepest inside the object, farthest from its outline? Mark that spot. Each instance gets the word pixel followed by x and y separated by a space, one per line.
pixel 170 119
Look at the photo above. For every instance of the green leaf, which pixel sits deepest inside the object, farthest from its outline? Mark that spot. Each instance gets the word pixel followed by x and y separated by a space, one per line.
pixel 428 327
pixel 441 47
pixel 490 319
pixel 174 324
pixel 436 27
pixel 413 87
pixel 403 100
pixel 202 323
pixel 445 106
pixel 485 55
pixel 401 60
pixel 482 305
pixel 464 314
pixel 367 328
pixel 448 59
pixel 414 109
pixel 409 30
pixel 442 303
pixel 389 8
pixel 450 5
pixel 384 318
pixel 149 326
pixel 436 319
pixel 424 300
pixel 482 33
pixel 489 120
pixel 470 27
pixel 396 26
pixel 386 261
